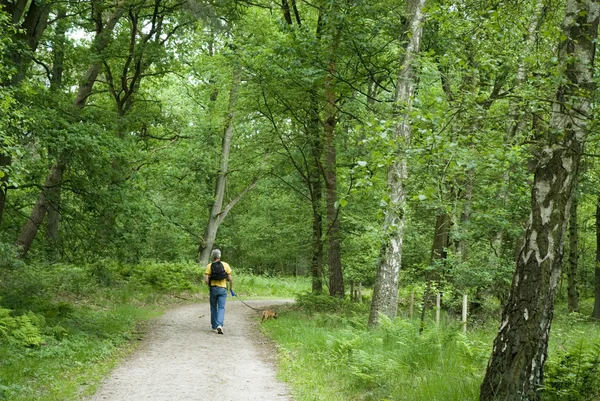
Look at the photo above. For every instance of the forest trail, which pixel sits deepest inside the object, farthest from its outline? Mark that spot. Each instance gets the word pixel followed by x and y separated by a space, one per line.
pixel 181 359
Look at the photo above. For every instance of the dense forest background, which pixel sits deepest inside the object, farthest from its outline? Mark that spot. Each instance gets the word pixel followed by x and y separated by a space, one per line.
pixel 285 133
pixel 125 163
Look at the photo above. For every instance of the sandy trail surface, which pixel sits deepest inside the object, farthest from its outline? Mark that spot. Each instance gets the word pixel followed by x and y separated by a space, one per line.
pixel 181 359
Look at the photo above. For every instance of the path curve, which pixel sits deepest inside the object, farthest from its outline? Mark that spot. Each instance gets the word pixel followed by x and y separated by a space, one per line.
pixel 181 359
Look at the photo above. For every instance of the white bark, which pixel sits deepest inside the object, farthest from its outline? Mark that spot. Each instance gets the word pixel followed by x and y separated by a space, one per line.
pixel 385 292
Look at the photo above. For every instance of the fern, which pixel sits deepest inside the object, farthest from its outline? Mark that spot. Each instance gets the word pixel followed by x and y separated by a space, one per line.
pixel 20 330
pixel 575 376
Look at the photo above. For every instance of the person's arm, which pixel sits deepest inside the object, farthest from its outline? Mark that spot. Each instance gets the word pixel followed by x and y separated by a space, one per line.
pixel 207 279
pixel 230 282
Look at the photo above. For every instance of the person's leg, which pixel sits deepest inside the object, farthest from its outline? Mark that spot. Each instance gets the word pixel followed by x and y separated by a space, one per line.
pixel 213 307
pixel 222 296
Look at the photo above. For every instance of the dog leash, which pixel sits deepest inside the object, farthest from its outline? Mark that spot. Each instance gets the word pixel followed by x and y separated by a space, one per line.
pixel 237 296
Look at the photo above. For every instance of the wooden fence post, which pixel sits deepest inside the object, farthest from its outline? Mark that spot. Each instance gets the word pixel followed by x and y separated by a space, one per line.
pixel 464 313
pixel 438 302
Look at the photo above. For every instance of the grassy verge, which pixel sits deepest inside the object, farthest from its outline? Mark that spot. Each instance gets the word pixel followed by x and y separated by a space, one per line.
pixel 327 353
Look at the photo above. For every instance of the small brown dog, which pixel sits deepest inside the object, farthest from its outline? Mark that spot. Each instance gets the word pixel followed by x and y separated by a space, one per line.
pixel 268 314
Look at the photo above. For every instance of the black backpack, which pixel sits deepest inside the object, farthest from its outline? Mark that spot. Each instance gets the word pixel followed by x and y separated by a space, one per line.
pixel 217 271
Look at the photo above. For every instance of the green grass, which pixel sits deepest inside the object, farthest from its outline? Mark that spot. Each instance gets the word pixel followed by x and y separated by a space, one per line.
pixel 327 353
pixel 77 352
pixel 246 285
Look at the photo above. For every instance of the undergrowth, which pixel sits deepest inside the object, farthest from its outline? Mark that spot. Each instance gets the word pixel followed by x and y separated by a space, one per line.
pixel 62 327
pixel 328 353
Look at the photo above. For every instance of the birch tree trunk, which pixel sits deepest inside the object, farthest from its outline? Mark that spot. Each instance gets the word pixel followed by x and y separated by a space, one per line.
pixel 516 367
pixel 385 291
pixel 215 217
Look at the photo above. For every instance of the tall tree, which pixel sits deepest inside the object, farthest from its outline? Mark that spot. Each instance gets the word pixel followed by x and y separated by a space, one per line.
pixel 31 20
pixel 56 84
pixel 330 119
pixel 516 367
pixel 217 211
pixel 385 291
pixel 101 40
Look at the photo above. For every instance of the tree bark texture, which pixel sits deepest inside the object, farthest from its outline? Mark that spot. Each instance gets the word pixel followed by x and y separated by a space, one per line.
pixel 334 252
pixel 215 217
pixel 315 184
pixel 385 290
pixel 56 83
pixel 516 367
pixel 596 311
pixel 572 291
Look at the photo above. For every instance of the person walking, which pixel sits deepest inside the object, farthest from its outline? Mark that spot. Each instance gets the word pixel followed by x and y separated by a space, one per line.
pixel 216 275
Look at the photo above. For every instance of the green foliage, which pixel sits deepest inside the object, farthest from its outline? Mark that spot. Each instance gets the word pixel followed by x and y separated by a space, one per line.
pixel 574 374
pixel 312 303
pixel 167 276
pixel 328 353
pixel 20 330
pixel 249 285
pixel 339 359
pixel 81 315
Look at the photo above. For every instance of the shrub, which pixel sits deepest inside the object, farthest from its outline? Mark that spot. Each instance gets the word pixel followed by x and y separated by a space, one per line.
pixel 574 375
pixel 19 330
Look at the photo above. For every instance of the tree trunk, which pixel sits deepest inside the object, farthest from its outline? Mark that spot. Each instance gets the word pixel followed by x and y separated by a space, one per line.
pixel 334 253
pixel 573 293
pixel 516 368
pixel 56 83
pixel 215 216
pixel 101 41
pixel 317 238
pixel 53 221
pixel 315 184
pixel 32 26
pixel 5 161
pixel 441 238
pixel 39 210
pixel 596 311
pixel 385 291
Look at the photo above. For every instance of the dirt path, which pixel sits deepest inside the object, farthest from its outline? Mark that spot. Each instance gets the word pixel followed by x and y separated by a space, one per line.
pixel 181 359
